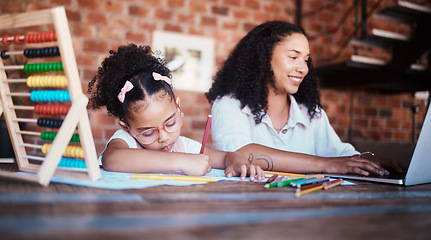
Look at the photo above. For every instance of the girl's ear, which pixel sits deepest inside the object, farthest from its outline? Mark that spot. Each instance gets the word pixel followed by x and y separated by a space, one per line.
pixel 178 101
pixel 123 125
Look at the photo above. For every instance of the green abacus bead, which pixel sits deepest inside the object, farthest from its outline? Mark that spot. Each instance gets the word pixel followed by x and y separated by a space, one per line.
pixel 75 138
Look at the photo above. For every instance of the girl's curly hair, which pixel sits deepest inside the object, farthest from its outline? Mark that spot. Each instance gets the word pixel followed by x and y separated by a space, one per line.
pixel 130 63
pixel 247 71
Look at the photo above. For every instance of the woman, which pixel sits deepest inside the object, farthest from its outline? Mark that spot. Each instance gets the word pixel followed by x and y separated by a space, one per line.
pixel 266 104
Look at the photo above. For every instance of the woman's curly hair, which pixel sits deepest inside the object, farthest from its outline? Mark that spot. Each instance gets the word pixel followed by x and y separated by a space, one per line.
pixel 247 71
pixel 130 63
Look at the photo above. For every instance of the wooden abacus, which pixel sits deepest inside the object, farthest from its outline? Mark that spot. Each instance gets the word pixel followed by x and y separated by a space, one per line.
pixel 40 168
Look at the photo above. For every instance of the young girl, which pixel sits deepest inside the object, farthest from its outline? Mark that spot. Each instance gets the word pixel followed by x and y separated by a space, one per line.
pixel 135 87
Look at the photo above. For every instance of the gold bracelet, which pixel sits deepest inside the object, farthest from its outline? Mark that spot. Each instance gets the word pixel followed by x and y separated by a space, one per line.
pixel 363 153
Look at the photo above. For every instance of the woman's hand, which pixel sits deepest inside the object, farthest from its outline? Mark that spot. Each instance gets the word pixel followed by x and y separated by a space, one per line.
pixel 353 164
pixel 242 170
pixel 396 166
pixel 237 164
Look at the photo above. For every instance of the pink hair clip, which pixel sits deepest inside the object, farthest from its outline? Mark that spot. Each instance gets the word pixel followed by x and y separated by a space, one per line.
pixel 159 77
pixel 127 87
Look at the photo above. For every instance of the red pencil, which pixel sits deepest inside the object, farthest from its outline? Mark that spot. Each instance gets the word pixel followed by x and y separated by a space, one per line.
pixel 207 128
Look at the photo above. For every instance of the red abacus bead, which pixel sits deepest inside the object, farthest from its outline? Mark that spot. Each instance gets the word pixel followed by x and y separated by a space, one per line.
pixel 39 37
pixel 5 40
pixel 17 39
pixel 53 36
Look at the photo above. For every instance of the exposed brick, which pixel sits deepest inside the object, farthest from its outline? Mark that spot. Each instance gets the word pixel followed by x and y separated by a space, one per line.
pixel 89 4
pixel 241 14
pixel 122 22
pixel 220 10
pixel 73 16
pixel 272 8
pixel 232 2
pixel 186 18
pixel 162 14
pixel 85 59
pixel 95 46
pixel 82 30
pixel 385 113
pixel 176 3
pixel 152 2
pixel 12 7
pixel 135 37
pixel 109 33
pixel 173 28
pixel 252 4
pixel 95 18
pixel 208 21
pixel 61 2
pixel 141 11
pixel 114 7
pixel 230 24
pixel 197 6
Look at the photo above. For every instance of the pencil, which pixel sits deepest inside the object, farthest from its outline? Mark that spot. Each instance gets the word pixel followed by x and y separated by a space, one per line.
pixel 295 174
pixel 136 176
pixel 272 178
pixel 313 182
pixel 288 182
pixel 333 183
pixel 282 183
pixel 207 128
pixel 300 192
pixel 296 183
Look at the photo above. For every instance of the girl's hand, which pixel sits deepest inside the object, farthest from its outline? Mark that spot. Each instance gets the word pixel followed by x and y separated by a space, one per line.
pixel 243 170
pixel 353 164
pixel 196 165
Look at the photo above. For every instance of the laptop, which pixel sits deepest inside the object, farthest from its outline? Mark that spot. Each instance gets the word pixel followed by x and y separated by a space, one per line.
pixel 419 170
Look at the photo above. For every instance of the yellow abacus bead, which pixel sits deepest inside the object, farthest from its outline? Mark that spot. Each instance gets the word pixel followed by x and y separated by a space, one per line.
pixel 40 81
pixel 44 81
pixel 30 81
pixel 46 147
pixel 63 81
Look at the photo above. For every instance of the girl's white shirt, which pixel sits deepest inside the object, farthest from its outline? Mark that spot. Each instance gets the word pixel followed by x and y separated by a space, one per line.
pixel 233 128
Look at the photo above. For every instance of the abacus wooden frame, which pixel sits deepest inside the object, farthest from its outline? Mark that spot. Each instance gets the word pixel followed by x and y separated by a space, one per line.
pixel 77 115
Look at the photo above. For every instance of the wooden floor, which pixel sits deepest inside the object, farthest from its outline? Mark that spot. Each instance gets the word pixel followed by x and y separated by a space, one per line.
pixel 221 210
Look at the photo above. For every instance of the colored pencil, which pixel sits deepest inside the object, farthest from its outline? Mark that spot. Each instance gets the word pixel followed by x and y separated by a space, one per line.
pixel 137 176
pixel 296 183
pixel 297 175
pixel 313 182
pixel 207 128
pixel 332 184
pixel 288 182
pixel 272 178
pixel 299 192
pixel 311 186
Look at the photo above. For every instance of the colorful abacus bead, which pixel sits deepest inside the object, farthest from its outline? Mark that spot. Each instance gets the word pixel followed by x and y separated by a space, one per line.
pixel 70 151
pixel 51 109
pixel 3 54
pixel 50 136
pixel 49 122
pixel 50 96
pixel 59 81
pixel 5 40
pixel 40 37
pixel 43 67
pixel 41 52
pixel 17 39
pixel 72 163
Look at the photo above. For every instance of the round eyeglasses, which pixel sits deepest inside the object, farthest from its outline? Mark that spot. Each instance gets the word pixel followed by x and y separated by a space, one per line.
pixel 152 134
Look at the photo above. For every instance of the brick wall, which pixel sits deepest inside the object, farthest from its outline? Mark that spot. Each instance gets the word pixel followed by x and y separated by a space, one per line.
pixel 98 26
